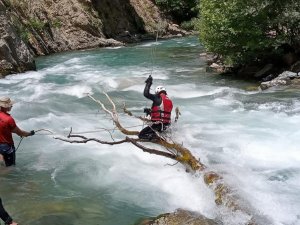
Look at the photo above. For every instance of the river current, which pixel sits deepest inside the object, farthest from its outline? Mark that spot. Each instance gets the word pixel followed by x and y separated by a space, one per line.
pixel 249 137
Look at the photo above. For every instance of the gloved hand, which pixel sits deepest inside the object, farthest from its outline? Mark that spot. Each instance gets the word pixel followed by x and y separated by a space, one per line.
pixel 147 111
pixel 149 80
pixel 32 133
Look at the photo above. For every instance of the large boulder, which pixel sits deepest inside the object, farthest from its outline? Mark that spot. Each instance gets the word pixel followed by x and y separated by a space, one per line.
pixel 284 78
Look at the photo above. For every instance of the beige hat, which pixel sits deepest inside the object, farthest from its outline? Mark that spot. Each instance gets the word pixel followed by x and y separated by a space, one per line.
pixel 6 102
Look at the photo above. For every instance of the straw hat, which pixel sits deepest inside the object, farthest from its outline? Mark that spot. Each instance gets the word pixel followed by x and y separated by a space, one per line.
pixel 6 102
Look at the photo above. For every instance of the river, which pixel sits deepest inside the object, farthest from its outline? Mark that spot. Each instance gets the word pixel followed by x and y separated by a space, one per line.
pixel 249 137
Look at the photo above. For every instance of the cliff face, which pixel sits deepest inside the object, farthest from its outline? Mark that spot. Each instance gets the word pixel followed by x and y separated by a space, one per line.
pixel 31 28
pixel 14 54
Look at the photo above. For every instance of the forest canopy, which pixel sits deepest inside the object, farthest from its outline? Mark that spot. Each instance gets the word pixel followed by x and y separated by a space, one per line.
pixel 244 31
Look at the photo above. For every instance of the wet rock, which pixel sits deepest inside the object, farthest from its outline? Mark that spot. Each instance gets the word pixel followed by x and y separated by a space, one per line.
pixel 175 30
pixel 284 78
pixel 180 217
pixel 273 83
pixel 217 67
pixel 287 75
pixel 296 82
pixel 268 78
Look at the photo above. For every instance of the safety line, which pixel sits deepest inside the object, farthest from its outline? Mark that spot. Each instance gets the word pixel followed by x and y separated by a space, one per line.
pixel 85 132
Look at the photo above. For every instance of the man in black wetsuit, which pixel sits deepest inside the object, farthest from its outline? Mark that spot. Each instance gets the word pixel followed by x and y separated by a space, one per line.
pixel 160 111
pixel 5 217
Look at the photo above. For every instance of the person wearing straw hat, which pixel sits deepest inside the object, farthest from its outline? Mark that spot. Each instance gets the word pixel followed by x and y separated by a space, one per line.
pixel 7 127
pixel 5 216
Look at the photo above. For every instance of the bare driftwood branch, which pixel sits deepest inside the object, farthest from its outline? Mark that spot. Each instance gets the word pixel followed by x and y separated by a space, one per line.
pixel 83 139
pixel 114 115
pixel 150 150
pixel 129 113
pixel 177 114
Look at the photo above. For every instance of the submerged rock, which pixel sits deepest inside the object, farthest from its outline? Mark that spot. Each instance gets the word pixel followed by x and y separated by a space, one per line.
pixel 180 217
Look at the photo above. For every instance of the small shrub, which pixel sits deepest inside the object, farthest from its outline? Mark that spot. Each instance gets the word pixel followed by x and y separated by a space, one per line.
pixel 25 34
pixel 56 23
pixel 189 25
pixel 36 24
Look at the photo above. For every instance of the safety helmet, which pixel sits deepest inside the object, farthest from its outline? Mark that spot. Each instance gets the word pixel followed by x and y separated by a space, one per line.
pixel 159 89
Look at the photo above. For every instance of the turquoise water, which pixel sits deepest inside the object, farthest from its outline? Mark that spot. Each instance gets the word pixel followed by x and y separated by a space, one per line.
pixel 249 137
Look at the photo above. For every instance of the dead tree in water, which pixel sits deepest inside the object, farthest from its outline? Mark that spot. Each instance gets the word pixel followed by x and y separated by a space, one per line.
pixel 175 151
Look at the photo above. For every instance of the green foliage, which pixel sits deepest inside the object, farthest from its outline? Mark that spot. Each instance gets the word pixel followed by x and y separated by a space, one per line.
pixel 243 30
pixel 25 34
pixel 21 30
pixel 180 10
pixel 36 24
pixel 189 25
pixel 56 23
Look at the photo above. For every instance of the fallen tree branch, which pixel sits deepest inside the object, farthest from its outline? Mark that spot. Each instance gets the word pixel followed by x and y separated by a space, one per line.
pixel 129 113
pixel 114 115
pixel 127 139
pixel 178 113
pixel 223 194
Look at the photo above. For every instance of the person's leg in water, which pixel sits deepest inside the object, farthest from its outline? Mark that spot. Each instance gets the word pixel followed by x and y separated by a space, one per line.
pixel 149 133
pixel 10 159
pixel 8 154
pixel 5 217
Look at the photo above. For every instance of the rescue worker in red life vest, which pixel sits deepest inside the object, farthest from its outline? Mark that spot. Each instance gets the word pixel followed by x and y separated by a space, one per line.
pixel 160 111
pixel 7 127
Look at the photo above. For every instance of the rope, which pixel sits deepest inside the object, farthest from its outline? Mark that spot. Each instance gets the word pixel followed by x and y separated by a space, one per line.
pixel 153 50
pixel 84 132
pixel 19 143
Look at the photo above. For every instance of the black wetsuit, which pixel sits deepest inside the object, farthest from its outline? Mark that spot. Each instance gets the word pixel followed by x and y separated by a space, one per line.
pixel 149 131
pixel 4 215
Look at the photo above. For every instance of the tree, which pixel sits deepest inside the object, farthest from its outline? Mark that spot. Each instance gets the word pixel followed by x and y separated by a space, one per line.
pixel 180 10
pixel 170 149
pixel 243 31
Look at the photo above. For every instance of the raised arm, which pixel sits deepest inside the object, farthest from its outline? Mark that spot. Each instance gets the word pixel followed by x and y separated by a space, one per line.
pixel 155 98
pixel 22 133
pixel 147 91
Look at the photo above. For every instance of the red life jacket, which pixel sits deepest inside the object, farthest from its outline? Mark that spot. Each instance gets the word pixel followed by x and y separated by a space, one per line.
pixel 163 111
pixel 7 124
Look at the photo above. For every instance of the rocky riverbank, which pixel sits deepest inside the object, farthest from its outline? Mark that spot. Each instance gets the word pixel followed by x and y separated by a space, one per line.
pixel 32 28
pixel 284 70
